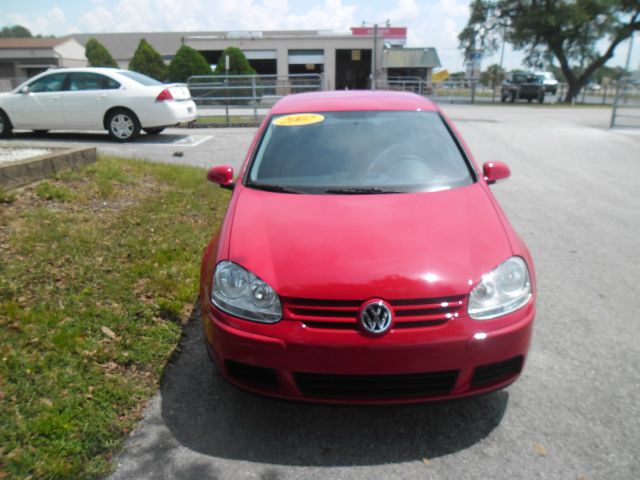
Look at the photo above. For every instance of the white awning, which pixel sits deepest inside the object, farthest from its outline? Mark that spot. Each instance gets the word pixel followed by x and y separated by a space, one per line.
pixel 305 57
pixel 260 54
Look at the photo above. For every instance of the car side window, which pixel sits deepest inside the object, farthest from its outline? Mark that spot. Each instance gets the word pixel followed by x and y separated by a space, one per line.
pixel 49 83
pixel 109 83
pixel 84 81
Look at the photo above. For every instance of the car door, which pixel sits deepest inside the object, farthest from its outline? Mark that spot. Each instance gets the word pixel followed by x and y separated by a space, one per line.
pixel 86 100
pixel 38 105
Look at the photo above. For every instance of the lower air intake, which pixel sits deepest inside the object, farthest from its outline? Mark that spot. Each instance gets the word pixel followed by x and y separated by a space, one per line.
pixel 252 375
pixel 497 372
pixel 376 386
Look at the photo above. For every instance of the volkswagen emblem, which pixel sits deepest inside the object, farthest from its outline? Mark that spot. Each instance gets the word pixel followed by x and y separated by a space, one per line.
pixel 375 317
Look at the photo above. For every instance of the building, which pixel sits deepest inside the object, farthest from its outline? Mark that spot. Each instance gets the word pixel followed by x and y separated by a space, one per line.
pixel 346 60
pixel 21 58
pixel 410 62
pixel 122 46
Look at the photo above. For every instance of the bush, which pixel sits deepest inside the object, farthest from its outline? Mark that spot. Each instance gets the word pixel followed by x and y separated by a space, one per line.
pixel 238 65
pixel 148 61
pixel 187 62
pixel 98 55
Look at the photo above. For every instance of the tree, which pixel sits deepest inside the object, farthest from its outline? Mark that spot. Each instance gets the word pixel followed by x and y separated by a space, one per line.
pixel 148 61
pixel 98 55
pixel 188 61
pixel 241 89
pixel 238 63
pixel 612 73
pixel 492 76
pixel 567 30
pixel 16 31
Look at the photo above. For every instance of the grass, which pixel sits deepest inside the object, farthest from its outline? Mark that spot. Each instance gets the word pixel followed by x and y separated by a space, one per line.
pixel 233 119
pixel 7 197
pixel 97 270
pixel 48 191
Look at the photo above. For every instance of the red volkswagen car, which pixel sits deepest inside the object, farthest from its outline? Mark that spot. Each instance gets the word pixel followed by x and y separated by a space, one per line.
pixel 364 259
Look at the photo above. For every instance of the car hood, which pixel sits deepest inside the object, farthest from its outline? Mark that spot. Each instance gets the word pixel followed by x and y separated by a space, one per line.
pixel 393 246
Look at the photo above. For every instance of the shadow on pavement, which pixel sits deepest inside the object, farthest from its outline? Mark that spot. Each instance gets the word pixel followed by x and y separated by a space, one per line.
pixel 206 414
pixel 97 137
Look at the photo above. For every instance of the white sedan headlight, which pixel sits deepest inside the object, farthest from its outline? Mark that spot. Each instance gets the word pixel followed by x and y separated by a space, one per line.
pixel 501 291
pixel 240 293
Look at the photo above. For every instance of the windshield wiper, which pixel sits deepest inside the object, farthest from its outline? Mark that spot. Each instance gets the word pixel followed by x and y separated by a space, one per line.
pixel 359 190
pixel 271 188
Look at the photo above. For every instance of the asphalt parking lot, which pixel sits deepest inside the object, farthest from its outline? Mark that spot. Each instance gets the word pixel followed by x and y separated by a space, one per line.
pixel 202 147
pixel 574 413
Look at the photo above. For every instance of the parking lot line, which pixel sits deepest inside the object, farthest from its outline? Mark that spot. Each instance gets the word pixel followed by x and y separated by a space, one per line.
pixel 187 141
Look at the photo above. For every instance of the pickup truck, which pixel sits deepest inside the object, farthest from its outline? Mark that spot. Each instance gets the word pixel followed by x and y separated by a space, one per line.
pixel 522 86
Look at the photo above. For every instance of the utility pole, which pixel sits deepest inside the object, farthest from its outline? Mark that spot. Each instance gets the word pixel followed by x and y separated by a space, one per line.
pixel 628 62
pixel 495 84
pixel 226 81
pixel 374 60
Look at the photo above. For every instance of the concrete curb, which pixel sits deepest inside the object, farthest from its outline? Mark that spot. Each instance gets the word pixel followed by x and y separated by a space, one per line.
pixel 17 174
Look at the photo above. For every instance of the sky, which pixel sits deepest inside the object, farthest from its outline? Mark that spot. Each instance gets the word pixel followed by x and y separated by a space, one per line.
pixel 430 23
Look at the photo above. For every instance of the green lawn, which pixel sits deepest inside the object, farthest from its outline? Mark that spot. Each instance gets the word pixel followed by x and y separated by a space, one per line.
pixel 98 269
pixel 233 120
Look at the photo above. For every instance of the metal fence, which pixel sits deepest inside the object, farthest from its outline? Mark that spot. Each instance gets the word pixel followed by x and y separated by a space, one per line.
pixel 626 104
pixel 219 97
pixel 463 91
pixel 449 91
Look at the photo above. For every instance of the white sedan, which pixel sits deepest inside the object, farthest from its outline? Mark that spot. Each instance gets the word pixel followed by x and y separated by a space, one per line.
pixel 119 101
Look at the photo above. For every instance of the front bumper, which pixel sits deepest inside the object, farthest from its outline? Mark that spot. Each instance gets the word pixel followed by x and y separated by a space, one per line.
pixel 290 360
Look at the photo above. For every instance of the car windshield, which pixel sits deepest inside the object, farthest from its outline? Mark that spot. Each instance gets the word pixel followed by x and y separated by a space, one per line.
pixel 140 78
pixel 358 152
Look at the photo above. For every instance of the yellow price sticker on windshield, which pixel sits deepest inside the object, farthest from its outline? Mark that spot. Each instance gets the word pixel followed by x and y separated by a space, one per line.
pixel 299 119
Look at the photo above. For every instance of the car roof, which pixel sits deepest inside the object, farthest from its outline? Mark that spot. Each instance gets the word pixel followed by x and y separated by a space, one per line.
pixel 349 100
pixel 84 69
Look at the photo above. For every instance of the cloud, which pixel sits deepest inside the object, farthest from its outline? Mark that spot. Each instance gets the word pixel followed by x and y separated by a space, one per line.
pixel 190 15
pixel 40 24
pixel 98 20
pixel 406 11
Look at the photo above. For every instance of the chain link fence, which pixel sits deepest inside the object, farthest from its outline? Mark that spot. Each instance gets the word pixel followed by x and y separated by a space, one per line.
pixel 463 91
pixel 245 98
pixel 626 105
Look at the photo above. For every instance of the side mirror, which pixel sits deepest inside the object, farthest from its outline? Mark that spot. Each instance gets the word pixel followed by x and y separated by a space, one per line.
pixel 221 175
pixel 494 171
pixel 24 89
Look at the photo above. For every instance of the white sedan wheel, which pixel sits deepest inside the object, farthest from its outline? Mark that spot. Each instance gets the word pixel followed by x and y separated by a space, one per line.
pixel 5 125
pixel 123 126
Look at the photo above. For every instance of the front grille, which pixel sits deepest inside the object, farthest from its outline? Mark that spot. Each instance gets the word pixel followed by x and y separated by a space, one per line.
pixel 252 375
pixel 343 314
pixel 497 372
pixel 376 386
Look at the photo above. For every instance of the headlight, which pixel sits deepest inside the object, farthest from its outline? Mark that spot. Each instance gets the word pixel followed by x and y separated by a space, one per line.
pixel 505 289
pixel 240 293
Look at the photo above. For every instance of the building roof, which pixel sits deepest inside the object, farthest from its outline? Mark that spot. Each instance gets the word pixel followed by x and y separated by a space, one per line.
pixel 123 45
pixel 410 58
pixel 31 42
